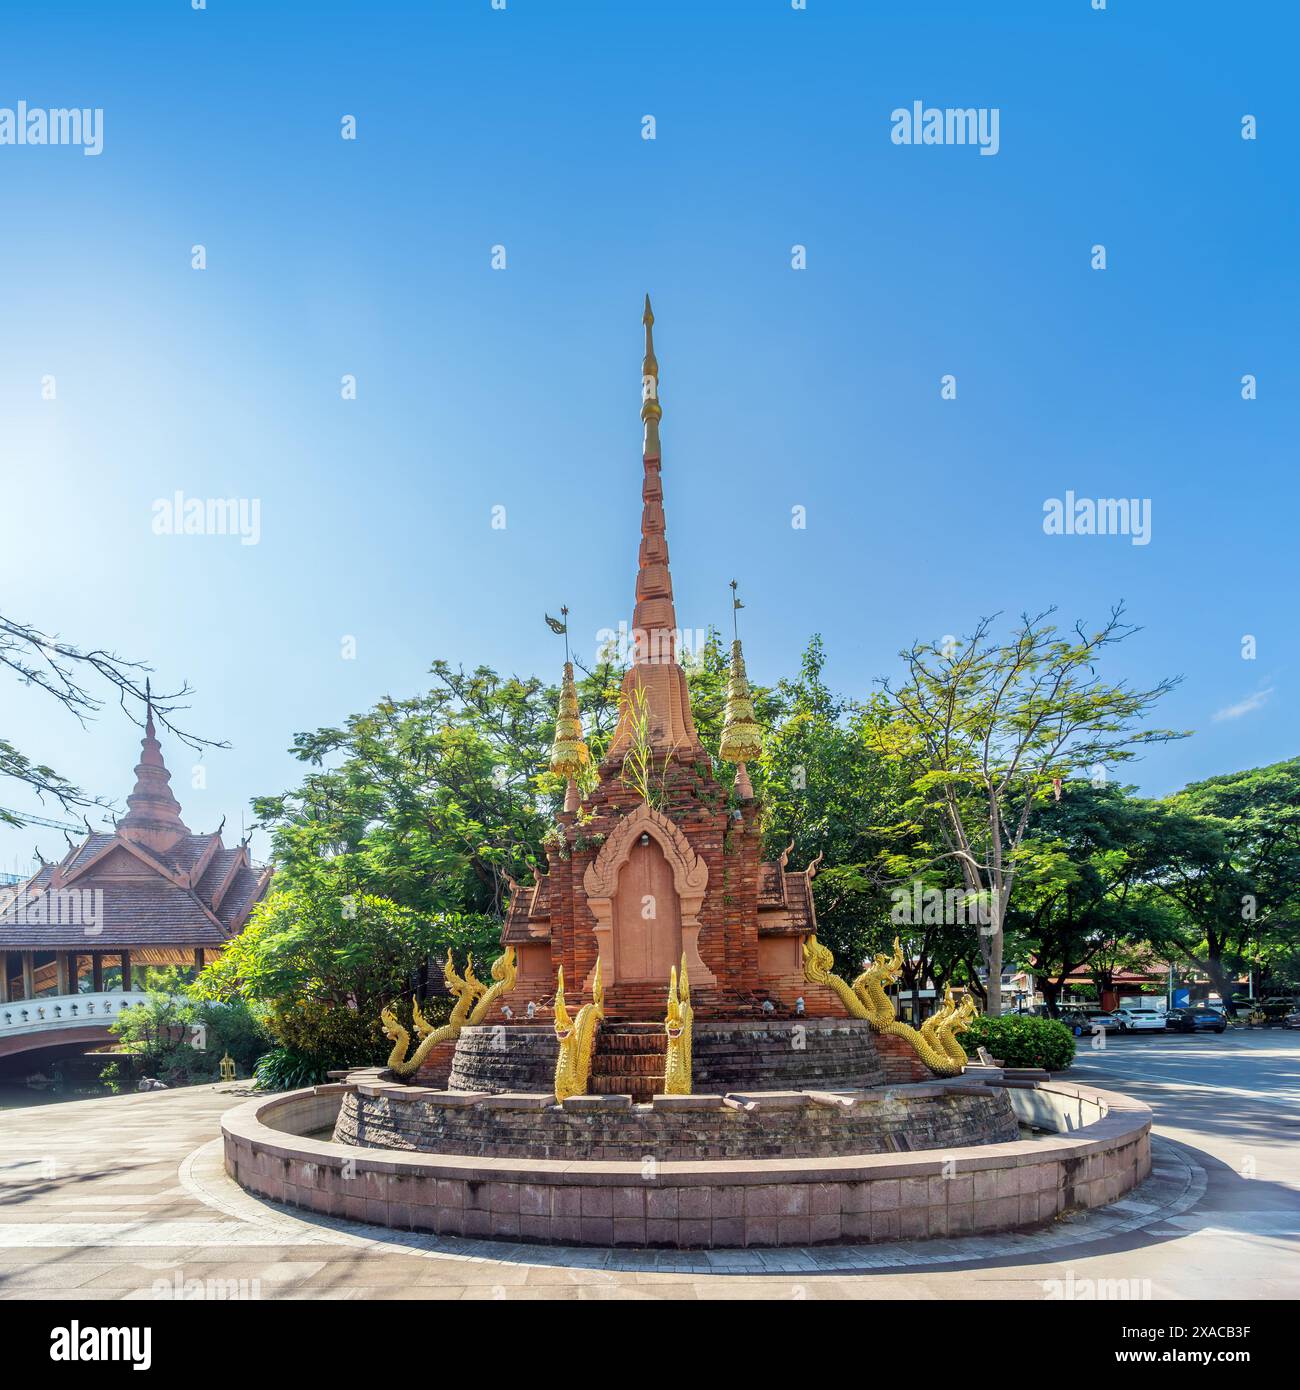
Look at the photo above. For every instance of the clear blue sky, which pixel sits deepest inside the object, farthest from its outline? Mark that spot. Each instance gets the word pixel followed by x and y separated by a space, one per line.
pixel 520 387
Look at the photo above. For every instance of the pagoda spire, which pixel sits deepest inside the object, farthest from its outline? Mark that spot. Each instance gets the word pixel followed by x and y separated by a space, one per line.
pixel 153 815
pixel 742 738
pixel 655 670
pixel 654 620
pixel 651 410
pixel 569 753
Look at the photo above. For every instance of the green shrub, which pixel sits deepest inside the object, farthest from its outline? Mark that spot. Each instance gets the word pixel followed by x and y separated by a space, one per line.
pixel 1022 1041
pixel 283 1069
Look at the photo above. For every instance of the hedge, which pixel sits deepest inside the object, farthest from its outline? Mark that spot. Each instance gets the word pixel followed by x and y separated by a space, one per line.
pixel 1022 1041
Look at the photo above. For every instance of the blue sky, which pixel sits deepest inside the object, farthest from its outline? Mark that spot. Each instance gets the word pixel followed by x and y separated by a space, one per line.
pixel 520 387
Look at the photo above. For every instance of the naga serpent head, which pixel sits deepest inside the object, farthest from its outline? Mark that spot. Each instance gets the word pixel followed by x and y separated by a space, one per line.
pixel 392 1029
pixel 503 968
pixel 563 1023
pixel 817 961
pixel 472 982
pixel 455 985
pixel 679 1004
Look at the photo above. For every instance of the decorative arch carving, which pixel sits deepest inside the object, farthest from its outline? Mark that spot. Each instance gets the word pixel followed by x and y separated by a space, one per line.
pixel 690 879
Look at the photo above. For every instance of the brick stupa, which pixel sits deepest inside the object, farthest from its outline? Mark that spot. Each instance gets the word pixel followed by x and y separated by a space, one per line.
pixel 638 886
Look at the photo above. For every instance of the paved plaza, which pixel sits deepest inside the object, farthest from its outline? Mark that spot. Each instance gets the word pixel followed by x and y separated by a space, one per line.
pixel 126 1198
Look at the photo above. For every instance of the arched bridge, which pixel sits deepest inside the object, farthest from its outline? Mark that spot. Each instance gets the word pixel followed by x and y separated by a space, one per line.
pixel 62 1021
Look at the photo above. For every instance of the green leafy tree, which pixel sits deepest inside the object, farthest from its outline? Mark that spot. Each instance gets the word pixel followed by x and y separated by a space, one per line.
pixel 1086 891
pixel 828 791
pixel 320 967
pixel 179 1037
pixel 1234 874
pixel 986 726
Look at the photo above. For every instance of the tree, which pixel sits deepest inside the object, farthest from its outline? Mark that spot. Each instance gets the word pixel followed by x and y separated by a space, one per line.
pixel 434 802
pixel 180 1038
pixel 828 791
pixel 321 966
pixel 1234 873
pixel 1085 890
pixel 991 725
pixel 59 669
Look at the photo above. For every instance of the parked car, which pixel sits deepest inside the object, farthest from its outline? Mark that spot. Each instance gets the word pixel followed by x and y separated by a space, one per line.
pixel 1197 1019
pixel 1292 1020
pixel 1140 1020
pixel 1276 1008
pixel 1082 1022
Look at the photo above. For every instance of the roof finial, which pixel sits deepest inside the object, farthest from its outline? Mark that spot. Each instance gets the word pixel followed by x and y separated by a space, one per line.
pixel 569 754
pixel 153 813
pixel 651 412
pixel 742 738
pixel 655 670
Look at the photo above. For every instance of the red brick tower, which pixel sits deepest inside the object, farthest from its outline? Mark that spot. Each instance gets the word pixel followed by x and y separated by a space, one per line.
pixel 638 883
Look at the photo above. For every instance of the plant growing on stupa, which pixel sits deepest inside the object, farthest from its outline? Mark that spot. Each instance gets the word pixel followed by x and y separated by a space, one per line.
pixel 643 772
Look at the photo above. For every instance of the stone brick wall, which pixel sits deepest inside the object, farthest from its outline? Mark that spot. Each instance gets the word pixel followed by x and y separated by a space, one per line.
pixel 770 1124
pixel 505 1057
pixel 786 1055
pixel 899 1060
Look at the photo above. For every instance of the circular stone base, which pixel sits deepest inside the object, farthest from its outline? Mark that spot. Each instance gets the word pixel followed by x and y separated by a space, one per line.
pixel 1100 1150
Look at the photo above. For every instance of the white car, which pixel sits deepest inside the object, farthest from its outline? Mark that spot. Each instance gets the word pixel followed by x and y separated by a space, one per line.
pixel 1140 1020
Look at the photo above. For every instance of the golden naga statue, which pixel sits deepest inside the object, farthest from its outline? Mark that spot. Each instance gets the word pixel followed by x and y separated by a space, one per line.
pixel 577 1038
pixel 678 1026
pixel 866 998
pixel 465 990
pixel 503 972
pixel 941 1028
pixel 818 963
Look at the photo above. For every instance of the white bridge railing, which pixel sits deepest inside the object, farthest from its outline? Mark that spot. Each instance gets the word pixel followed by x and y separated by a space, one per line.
pixel 54 1011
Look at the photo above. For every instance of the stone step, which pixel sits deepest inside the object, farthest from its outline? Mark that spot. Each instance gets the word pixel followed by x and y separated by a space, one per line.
pixel 630 1059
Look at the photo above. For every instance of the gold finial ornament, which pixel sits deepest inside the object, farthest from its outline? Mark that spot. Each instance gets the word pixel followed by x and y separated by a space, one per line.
pixel 569 753
pixel 742 738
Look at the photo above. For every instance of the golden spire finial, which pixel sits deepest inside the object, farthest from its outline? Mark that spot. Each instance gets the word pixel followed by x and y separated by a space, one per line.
pixel 742 737
pixel 569 754
pixel 651 413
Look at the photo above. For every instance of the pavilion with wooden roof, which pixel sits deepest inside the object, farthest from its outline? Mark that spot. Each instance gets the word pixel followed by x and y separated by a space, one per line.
pixel 151 893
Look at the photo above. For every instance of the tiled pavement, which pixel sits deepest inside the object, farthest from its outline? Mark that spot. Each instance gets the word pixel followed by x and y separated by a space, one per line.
pixel 126 1198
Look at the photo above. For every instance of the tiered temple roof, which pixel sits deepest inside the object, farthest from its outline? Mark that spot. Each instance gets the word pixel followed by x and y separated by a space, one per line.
pixel 161 884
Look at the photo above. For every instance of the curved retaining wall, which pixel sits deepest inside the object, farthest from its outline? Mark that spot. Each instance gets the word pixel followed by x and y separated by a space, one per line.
pixel 699 1204
pixel 746 1055
pixel 767 1124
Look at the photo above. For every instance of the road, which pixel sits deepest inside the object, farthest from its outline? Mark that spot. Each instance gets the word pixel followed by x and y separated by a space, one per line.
pixel 124 1198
